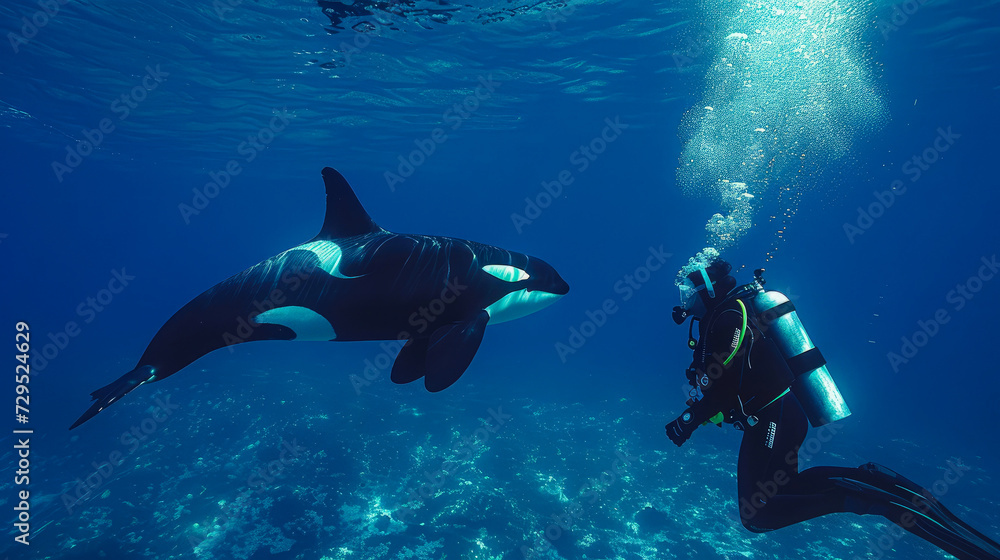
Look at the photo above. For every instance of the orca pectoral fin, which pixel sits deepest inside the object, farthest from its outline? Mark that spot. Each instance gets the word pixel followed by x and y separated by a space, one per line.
pixel 451 349
pixel 110 393
pixel 411 362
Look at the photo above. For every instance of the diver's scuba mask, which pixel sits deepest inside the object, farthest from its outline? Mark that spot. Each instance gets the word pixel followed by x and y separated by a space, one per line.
pixel 691 302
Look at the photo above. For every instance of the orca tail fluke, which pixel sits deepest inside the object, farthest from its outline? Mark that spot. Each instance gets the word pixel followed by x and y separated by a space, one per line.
pixel 117 389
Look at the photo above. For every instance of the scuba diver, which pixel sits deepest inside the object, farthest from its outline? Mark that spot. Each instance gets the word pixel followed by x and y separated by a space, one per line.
pixel 756 368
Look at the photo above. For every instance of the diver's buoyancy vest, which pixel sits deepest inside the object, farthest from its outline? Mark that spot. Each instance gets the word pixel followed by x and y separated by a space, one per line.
pixel 760 371
pixel 780 337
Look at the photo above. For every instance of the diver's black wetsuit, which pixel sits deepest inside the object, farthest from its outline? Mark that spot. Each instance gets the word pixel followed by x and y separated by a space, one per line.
pixel 772 492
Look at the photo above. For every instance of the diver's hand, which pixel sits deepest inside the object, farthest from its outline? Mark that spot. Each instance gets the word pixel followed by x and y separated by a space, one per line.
pixel 681 429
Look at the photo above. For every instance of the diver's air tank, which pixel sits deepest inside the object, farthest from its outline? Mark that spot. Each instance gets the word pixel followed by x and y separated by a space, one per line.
pixel 813 385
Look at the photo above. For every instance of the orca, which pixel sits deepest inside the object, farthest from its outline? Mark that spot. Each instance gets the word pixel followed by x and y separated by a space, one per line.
pixel 355 281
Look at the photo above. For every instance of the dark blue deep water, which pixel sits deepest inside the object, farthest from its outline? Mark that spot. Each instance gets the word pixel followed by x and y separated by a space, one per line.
pixel 115 117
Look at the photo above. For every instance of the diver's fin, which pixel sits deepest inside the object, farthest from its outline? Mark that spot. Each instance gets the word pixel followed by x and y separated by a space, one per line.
pixel 116 390
pixel 930 519
pixel 883 474
pixel 887 478
pixel 864 498
pixel 345 217
pixel 411 362
pixel 451 349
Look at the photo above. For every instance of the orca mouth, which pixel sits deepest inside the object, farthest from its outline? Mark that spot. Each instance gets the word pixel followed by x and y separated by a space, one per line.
pixel 541 291
pixel 560 289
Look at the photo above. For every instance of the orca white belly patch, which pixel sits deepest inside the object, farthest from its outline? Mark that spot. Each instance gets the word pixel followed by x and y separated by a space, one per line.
pixel 306 323
pixel 519 304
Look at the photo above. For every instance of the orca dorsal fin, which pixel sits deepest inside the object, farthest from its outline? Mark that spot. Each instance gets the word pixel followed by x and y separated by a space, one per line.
pixel 345 217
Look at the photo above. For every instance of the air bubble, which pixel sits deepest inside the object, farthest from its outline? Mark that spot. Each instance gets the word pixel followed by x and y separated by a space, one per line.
pixel 812 108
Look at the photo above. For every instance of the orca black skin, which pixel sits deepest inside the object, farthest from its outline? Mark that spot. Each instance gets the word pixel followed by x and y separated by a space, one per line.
pixel 356 281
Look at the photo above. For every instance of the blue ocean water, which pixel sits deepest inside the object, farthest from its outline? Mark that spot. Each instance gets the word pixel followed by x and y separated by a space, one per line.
pixel 291 451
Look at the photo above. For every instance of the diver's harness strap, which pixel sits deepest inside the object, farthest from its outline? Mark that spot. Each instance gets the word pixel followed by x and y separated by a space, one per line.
pixel 702 380
pixel 742 420
pixel 745 422
pixel 777 311
pixel 799 365
pixel 804 362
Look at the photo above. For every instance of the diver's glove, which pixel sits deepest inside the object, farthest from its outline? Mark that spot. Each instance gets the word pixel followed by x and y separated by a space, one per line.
pixel 681 429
